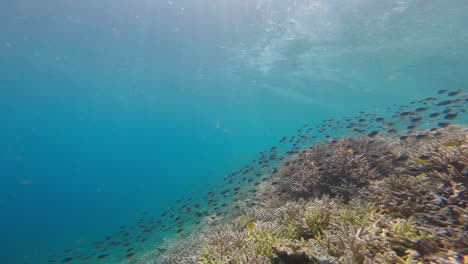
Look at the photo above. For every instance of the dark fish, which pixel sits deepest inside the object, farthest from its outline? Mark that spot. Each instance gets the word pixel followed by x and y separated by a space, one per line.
pixel 102 256
pixel 421 136
pixel 373 133
pixel 442 91
pixel 403 137
pixel 450 116
pixel 421 109
pixel 66 260
pixel 402 158
pixel 414 171
pixel 129 255
pixel 443 124
pixel 433 115
pixel 447 102
pixel 424 157
pixel 453 93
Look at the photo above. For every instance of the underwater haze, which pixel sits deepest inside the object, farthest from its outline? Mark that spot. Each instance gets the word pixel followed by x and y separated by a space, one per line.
pixel 112 111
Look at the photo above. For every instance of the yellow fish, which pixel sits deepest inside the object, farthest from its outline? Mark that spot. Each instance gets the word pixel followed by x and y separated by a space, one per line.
pixel 420 161
pixel 448 144
pixel 249 226
pixel 350 151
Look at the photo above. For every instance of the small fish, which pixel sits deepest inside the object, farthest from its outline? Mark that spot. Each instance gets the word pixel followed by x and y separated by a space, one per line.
pixel 421 136
pixel 249 226
pixel 450 116
pixel 349 151
pixel 414 171
pixel 129 255
pixel 419 161
pixel 449 144
pixel 66 260
pixel 443 103
pixel 424 157
pixel 442 91
pixel 443 124
pixel 402 158
pixel 102 256
pixel 433 115
pixel 453 93
pixel 421 109
pixel 373 134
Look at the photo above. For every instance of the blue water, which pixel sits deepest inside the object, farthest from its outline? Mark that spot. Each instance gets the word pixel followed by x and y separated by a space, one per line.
pixel 112 108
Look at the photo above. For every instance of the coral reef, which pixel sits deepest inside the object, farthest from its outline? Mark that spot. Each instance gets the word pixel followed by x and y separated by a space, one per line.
pixel 351 200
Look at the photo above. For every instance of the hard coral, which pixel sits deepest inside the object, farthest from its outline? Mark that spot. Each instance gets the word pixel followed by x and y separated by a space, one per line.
pixel 353 200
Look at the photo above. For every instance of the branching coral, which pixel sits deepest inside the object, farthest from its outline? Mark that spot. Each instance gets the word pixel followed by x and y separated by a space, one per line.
pixel 336 169
pixel 354 200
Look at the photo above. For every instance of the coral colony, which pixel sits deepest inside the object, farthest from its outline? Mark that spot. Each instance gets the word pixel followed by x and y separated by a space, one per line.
pixel 386 201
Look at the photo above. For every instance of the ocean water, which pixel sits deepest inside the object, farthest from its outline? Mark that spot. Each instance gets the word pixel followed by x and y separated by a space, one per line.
pixel 110 109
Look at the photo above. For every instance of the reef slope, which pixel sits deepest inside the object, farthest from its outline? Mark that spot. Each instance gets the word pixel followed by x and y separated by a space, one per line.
pixel 351 200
